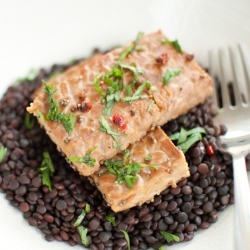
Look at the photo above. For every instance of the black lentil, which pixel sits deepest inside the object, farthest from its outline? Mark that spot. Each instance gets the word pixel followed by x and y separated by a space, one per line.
pixel 182 210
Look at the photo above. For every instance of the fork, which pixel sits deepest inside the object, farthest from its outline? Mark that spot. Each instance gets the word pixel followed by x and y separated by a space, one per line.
pixel 230 71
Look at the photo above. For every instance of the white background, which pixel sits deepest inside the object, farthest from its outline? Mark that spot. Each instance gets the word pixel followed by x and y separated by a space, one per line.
pixel 38 33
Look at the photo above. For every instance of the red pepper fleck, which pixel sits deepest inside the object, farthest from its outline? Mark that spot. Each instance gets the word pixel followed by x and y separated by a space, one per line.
pixel 119 121
pixel 189 57
pixel 210 150
pixel 85 106
pixel 162 59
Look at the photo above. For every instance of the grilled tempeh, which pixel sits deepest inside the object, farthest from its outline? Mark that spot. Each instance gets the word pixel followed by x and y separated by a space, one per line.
pixel 191 87
pixel 171 164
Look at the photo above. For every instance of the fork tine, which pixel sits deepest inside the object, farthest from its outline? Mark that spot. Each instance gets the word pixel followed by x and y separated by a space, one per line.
pixel 212 72
pixel 225 77
pixel 238 75
pixel 246 68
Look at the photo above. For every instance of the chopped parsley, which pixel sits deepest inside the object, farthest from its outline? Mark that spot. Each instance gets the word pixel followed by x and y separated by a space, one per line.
pixel 170 74
pixel 126 237
pixel 40 115
pixel 148 157
pixel 54 74
pixel 46 170
pixel 68 121
pixel 126 154
pixel 130 86
pixel 175 43
pixel 29 121
pixel 96 84
pixel 169 237
pixel 107 129
pixel 82 215
pixel 153 166
pixel 131 47
pixel 30 77
pixel 86 159
pixel 83 234
pixel 161 248
pixel 133 69
pixel 138 93
pixel 114 79
pixel 73 61
pixel 139 49
pixel 124 172
pixel 111 219
pixel 150 105
pixel 3 152
pixel 186 138
pixel 153 88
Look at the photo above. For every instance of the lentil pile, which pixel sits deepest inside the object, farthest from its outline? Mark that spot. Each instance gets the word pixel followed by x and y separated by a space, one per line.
pixel 192 205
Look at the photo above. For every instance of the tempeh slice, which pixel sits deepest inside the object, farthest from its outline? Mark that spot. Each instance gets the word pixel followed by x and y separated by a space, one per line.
pixel 67 73
pixel 171 164
pixel 168 159
pixel 189 88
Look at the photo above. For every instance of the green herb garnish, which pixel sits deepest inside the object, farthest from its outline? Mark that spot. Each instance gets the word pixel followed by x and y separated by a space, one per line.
pixel 219 111
pixel 28 121
pixel 83 233
pixel 153 88
pixel 112 96
pixel 148 157
pixel 131 47
pixel 73 61
pixel 82 215
pixel 96 84
pixel 140 49
pixel 114 79
pixel 3 152
pixel 169 237
pixel 68 121
pixel 134 98
pixel 175 43
pixel 170 74
pixel 126 154
pixel 161 248
pixel 153 166
pixel 124 172
pixel 127 238
pixel 111 219
pixel 40 115
pixel 137 95
pixel 133 69
pixel 107 129
pixel 86 159
pixel 130 86
pixel 30 77
pixel 186 138
pixel 54 74
pixel 150 105
pixel 46 170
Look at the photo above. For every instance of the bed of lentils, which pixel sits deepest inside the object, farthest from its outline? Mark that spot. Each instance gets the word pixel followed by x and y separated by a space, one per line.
pixel 192 205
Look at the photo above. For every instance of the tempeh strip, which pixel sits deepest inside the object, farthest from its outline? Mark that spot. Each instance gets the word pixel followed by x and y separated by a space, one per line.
pixel 169 161
pixel 171 164
pixel 191 87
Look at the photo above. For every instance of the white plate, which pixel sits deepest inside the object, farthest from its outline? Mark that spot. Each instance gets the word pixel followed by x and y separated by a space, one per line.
pixel 39 33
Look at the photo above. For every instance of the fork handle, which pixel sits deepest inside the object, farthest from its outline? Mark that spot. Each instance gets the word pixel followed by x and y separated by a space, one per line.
pixel 242 204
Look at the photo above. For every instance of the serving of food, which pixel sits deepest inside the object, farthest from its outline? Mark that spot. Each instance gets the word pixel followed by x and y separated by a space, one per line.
pixel 123 152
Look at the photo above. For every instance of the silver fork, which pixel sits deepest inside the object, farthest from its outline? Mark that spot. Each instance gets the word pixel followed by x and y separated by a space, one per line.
pixel 230 66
